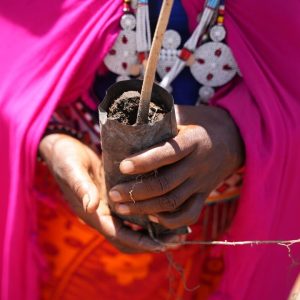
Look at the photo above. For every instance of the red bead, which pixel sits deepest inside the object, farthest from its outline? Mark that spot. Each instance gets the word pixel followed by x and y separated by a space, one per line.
pixel 168 69
pixel 209 76
pixel 201 61
pixel 185 54
pixel 141 56
pixel 227 67
pixel 124 65
pixel 124 39
pixel 218 52
pixel 221 12
pixel 126 7
pixel 112 52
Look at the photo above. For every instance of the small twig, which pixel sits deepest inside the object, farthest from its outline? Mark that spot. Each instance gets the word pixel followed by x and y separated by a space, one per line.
pixel 177 267
pixel 286 243
pixel 139 179
pixel 143 111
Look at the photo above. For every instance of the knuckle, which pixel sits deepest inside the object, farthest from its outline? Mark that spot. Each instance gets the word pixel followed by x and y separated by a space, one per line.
pixel 77 187
pixel 169 202
pixel 164 183
pixel 158 184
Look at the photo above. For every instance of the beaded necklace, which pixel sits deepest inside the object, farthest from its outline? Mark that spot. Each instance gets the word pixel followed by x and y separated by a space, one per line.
pixel 210 60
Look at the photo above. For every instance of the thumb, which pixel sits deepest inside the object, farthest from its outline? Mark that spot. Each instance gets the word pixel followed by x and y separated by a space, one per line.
pixel 84 188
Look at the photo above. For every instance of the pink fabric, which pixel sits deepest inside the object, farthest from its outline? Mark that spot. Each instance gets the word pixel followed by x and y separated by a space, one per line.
pixel 266 108
pixel 50 52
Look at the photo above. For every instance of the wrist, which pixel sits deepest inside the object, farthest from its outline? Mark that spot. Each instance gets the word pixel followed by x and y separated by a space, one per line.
pixel 231 138
pixel 221 130
pixel 48 143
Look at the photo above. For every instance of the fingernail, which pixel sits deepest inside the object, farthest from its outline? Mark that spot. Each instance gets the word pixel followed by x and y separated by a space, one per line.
pixel 127 166
pixel 115 196
pixel 153 219
pixel 122 209
pixel 86 201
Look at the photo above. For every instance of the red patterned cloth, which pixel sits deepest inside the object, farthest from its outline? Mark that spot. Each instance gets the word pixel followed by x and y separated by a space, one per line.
pixel 81 264
pixel 78 263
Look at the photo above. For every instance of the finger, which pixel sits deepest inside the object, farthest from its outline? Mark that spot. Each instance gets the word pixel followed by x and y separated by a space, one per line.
pixel 79 181
pixel 121 236
pixel 156 184
pixel 159 155
pixel 125 238
pixel 165 203
pixel 187 215
pixel 173 242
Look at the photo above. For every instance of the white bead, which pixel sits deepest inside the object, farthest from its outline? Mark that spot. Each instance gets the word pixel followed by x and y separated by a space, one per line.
pixel 171 40
pixel 206 92
pixel 217 33
pixel 122 77
pixel 128 22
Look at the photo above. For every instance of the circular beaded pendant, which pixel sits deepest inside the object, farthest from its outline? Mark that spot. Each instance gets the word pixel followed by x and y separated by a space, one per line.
pixel 169 52
pixel 122 55
pixel 214 64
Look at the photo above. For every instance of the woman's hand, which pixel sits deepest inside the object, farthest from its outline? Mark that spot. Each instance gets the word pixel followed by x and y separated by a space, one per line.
pixel 185 169
pixel 78 171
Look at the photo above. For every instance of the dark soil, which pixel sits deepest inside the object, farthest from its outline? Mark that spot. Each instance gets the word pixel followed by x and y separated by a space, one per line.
pixel 125 108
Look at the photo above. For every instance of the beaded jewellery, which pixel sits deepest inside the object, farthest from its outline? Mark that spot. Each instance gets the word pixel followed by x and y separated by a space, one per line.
pixel 210 60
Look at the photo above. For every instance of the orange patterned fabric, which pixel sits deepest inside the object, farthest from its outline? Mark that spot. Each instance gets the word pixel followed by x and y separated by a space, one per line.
pixel 78 263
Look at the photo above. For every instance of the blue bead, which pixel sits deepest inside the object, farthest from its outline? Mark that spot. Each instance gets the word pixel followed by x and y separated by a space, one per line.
pixel 213 3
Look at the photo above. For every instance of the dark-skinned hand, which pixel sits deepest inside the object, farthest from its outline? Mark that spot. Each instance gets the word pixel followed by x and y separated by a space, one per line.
pixel 77 170
pixel 185 169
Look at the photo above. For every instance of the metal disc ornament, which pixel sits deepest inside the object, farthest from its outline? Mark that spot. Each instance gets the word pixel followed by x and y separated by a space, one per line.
pixel 214 64
pixel 123 54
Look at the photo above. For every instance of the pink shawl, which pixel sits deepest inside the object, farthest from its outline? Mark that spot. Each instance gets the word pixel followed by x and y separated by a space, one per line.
pixel 50 51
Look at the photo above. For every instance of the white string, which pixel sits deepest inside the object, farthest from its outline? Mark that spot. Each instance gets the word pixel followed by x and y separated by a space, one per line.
pixel 191 45
pixel 143 33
